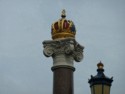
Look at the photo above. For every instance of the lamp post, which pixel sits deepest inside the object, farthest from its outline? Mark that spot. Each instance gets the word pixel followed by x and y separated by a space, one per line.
pixel 100 84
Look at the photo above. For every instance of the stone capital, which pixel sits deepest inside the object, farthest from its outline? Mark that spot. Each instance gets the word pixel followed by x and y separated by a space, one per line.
pixel 63 50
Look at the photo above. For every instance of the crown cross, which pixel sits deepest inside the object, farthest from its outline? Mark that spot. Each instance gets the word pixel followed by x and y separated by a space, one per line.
pixel 63 13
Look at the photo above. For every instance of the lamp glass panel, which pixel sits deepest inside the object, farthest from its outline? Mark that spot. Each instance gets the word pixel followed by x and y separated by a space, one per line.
pixel 98 89
pixel 106 89
pixel 92 92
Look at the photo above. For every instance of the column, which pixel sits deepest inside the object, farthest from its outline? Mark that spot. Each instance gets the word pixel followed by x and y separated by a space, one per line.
pixel 63 53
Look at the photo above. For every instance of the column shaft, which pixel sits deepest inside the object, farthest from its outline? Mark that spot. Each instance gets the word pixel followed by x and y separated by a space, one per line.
pixel 63 80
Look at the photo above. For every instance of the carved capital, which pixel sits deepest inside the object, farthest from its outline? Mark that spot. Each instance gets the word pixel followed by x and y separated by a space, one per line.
pixel 67 47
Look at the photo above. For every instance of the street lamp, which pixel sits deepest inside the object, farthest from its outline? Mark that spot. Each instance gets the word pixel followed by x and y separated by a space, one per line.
pixel 100 84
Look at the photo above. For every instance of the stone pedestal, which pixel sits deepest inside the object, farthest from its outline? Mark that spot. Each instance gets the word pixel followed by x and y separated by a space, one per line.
pixel 63 52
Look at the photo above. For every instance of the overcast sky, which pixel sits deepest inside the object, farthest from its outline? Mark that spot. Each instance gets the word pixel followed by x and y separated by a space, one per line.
pixel 25 24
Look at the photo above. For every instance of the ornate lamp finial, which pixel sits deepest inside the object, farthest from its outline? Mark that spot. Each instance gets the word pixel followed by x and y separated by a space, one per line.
pixel 100 65
pixel 63 15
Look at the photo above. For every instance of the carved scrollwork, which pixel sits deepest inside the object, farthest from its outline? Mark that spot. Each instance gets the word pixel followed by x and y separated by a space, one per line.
pixel 63 47
pixel 69 48
pixel 48 51
pixel 78 56
pixel 78 52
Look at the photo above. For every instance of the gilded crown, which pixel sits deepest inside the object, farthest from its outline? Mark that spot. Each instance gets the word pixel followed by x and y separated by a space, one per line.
pixel 63 28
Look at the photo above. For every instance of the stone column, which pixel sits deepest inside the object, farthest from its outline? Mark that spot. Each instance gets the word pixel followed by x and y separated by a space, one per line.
pixel 63 52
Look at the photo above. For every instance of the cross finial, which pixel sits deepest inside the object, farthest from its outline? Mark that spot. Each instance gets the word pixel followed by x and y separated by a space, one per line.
pixel 63 13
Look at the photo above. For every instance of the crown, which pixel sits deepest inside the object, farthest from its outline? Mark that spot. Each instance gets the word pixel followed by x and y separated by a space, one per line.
pixel 63 28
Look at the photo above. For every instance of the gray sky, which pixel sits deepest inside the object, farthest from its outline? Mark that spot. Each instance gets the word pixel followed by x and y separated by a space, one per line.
pixel 25 24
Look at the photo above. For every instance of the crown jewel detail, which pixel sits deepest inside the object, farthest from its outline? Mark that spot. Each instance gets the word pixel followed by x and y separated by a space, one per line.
pixel 63 28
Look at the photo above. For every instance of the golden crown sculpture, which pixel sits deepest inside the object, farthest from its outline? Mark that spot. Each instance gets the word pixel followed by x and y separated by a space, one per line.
pixel 63 28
